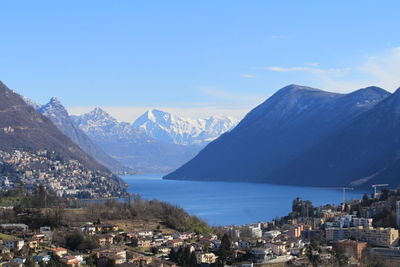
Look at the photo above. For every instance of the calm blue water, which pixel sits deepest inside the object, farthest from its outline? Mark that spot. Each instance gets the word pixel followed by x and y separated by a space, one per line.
pixel 224 203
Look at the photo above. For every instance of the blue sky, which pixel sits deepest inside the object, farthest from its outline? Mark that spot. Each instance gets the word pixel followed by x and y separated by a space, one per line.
pixel 194 58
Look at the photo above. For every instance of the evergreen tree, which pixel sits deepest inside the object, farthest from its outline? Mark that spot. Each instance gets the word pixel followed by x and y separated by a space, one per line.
pixel 172 255
pixel 365 199
pixel 55 261
pixel 384 195
pixel 74 240
pixel 225 250
pixel 91 260
pixel 183 257
pixel 193 260
pixel 30 262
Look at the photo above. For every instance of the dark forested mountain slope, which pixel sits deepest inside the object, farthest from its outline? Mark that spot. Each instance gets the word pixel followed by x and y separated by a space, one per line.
pixel 270 141
pixel 364 152
pixel 22 127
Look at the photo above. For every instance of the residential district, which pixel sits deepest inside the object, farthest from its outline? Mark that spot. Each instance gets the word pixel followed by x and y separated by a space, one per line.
pixel 68 178
pixel 362 232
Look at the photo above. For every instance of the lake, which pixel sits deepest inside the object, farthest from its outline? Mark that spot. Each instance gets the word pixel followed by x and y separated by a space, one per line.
pixel 225 203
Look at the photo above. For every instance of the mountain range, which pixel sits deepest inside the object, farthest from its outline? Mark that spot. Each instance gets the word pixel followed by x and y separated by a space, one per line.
pixel 21 127
pixel 133 147
pixel 298 136
pixel 57 113
pixel 309 137
pixel 156 142
pixel 173 129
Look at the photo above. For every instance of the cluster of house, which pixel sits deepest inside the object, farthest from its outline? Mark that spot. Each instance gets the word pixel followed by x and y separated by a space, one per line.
pixel 15 237
pixel 269 243
pixel 17 243
pixel 275 242
pixel 115 247
pixel 160 244
pixel 68 178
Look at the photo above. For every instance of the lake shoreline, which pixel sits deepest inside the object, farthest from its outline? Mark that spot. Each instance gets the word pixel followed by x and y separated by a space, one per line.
pixel 230 203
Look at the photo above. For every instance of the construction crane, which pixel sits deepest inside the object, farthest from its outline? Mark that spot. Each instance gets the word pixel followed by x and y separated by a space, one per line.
pixel 378 185
pixel 343 190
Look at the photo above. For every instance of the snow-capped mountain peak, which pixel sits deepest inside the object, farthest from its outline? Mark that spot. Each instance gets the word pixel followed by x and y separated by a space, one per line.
pixel 99 123
pixel 54 100
pixel 54 109
pixel 156 115
pixel 98 114
pixel 170 128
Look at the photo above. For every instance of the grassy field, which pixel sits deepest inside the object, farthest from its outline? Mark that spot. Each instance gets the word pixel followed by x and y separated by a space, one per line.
pixel 128 225
pixel 6 237
pixel 10 201
pixel 139 225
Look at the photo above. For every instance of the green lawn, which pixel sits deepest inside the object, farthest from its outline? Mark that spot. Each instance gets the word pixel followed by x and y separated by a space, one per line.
pixel 6 237
pixel 10 201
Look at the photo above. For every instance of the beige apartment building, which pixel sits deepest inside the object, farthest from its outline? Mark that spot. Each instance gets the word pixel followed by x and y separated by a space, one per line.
pixel 382 237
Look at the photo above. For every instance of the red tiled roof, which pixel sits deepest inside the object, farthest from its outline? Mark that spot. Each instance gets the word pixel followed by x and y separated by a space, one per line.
pixel 59 249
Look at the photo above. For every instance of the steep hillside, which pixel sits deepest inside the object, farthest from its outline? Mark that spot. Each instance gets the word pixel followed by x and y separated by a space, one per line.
pixel 57 113
pixel 363 152
pixel 23 131
pixel 269 142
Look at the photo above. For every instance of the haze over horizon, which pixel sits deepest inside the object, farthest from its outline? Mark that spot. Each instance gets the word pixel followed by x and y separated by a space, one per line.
pixel 193 59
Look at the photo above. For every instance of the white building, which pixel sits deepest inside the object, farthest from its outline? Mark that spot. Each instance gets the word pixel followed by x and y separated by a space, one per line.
pixel 16 244
pixel 261 255
pixel 145 233
pixel 277 248
pixel 206 258
pixel 255 230
pixel 233 232
pixel 347 220
pixel 273 233
pixel 46 231
pixel 364 222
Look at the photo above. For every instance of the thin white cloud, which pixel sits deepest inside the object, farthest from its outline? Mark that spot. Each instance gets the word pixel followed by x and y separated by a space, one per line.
pixel 381 70
pixel 311 67
pixel 321 78
pixel 248 76
pixel 288 69
pixel 384 68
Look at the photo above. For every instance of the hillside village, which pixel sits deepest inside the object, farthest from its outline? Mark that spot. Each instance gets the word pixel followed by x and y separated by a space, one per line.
pixel 68 178
pixel 362 232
